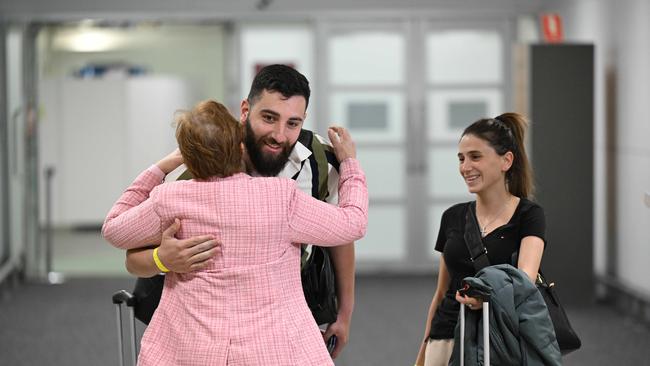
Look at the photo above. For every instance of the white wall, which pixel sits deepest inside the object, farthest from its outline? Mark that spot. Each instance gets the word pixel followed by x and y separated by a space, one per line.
pixel 621 33
pixel 631 24
pixel 99 135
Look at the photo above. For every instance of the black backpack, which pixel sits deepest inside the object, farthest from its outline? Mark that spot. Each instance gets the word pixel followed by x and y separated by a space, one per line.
pixel 317 269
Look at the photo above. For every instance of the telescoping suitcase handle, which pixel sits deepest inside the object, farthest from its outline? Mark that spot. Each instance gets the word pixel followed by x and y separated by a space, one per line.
pixel 486 333
pixel 119 298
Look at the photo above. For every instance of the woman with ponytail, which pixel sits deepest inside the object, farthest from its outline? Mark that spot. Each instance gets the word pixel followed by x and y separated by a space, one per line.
pixel 493 162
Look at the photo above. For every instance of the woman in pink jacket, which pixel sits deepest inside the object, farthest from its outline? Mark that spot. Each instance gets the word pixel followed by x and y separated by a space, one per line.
pixel 247 306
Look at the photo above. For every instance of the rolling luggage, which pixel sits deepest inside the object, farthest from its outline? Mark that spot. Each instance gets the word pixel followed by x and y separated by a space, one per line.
pixel 486 333
pixel 141 305
pixel 126 298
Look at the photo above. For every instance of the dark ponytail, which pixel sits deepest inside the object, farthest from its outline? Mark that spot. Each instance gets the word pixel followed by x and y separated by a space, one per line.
pixel 506 133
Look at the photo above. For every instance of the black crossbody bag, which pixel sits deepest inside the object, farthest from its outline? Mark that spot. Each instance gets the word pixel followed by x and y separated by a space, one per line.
pixel 567 338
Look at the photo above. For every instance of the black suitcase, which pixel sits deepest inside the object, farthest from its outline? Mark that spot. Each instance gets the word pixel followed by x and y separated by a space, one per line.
pixel 141 305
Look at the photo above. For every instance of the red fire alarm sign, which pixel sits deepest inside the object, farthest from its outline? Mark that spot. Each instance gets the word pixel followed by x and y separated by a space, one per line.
pixel 552 28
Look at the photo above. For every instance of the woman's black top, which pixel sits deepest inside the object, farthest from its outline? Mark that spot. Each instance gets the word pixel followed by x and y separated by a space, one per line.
pixel 527 220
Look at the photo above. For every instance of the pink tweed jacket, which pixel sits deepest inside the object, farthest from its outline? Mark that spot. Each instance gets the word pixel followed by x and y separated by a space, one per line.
pixel 247 307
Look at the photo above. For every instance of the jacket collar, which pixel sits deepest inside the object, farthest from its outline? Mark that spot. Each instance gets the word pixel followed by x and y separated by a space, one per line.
pixel 299 153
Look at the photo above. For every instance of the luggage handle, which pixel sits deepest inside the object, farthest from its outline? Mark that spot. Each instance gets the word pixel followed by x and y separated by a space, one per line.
pixel 124 296
pixel 119 298
pixel 486 333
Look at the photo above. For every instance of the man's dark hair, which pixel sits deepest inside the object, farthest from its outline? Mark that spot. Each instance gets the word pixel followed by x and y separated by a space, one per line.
pixel 279 78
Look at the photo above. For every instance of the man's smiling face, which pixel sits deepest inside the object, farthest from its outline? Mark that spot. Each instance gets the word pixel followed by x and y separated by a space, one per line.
pixel 273 123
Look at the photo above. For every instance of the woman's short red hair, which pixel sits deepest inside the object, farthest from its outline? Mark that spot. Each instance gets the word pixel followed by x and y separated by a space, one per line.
pixel 209 139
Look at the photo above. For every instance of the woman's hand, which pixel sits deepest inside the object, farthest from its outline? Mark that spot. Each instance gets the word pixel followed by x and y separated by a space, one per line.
pixel 471 302
pixel 170 162
pixel 342 143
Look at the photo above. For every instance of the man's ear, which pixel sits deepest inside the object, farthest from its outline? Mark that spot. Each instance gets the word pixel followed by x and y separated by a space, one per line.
pixel 244 110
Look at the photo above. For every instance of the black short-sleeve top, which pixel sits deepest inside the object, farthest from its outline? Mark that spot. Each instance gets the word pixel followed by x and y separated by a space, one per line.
pixel 527 220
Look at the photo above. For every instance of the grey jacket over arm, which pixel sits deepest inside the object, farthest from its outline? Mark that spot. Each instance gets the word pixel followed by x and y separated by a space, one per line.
pixel 521 331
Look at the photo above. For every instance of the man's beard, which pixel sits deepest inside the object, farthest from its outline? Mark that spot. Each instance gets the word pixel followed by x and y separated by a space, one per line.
pixel 267 165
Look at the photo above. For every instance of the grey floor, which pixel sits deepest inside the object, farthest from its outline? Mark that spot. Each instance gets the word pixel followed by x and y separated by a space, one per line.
pixel 74 323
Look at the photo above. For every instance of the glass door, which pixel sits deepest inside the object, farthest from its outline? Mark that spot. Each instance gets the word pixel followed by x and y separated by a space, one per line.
pixel 466 78
pixel 406 90
pixel 365 85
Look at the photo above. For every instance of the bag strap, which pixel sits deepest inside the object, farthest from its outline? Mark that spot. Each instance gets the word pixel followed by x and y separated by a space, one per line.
pixel 186 175
pixel 319 177
pixel 477 251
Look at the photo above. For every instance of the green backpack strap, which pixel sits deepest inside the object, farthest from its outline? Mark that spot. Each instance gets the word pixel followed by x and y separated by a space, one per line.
pixel 321 156
pixel 186 175
pixel 318 161
pixel 317 271
pixel 318 153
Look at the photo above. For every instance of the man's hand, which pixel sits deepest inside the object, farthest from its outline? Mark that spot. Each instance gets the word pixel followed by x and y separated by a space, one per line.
pixel 342 143
pixel 182 256
pixel 341 329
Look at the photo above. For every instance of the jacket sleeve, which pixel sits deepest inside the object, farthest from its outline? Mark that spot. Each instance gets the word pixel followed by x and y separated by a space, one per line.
pixel 316 222
pixel 133 221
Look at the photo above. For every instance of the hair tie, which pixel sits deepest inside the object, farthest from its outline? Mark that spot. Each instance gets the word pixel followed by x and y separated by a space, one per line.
pixel 502 124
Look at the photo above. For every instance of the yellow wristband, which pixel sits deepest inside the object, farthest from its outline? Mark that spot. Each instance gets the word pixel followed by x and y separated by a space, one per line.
pixel 159 263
